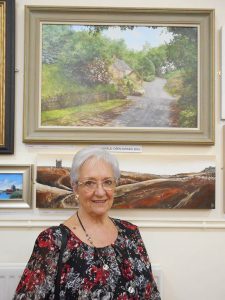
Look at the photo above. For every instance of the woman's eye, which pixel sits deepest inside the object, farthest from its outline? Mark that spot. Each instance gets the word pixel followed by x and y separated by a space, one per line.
pixel 108 182
pixel 89 183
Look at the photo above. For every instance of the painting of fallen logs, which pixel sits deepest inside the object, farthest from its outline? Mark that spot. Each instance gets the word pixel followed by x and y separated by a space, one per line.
pixel 189 190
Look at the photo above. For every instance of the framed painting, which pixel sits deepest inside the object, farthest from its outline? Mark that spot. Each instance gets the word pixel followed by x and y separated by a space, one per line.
pixel 7 77
pixel 147 182
pixel 97 75
pixel 15 186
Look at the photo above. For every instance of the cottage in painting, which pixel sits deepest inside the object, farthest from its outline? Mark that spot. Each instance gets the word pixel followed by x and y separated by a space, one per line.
pixel 122 74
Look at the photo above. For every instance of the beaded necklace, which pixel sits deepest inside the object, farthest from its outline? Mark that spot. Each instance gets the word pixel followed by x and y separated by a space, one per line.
pixel 87 235
pixel 105 265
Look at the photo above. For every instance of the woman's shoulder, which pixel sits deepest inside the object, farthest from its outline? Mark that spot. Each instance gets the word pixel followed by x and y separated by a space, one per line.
pixel 49 236
pixel 125 225
pixel 50 231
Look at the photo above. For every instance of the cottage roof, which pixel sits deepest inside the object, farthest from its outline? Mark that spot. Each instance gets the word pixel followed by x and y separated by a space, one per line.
pixel 120 65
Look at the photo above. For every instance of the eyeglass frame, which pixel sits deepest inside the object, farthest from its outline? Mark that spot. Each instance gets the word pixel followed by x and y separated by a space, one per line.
pixel 82 183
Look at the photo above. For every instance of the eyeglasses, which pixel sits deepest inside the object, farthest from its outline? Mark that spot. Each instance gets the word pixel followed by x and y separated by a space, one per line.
pixel 91 185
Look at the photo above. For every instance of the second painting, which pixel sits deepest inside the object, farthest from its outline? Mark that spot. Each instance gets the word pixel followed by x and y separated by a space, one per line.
pixel 118 75
pixel 156 182
pixel 123 76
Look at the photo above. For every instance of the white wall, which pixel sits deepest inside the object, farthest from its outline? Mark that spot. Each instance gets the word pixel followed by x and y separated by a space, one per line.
pixel 189 246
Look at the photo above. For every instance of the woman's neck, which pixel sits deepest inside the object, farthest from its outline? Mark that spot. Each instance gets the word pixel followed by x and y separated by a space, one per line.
pixel 93 219
pixel 100 229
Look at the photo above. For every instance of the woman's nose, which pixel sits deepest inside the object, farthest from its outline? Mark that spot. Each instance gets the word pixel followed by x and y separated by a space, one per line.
pixel 100 190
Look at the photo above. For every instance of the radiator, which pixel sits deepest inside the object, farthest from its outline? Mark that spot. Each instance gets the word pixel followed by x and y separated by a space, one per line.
pixel 10 275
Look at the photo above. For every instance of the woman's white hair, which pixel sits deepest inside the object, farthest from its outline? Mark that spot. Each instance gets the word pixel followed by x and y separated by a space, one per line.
pixel 92 152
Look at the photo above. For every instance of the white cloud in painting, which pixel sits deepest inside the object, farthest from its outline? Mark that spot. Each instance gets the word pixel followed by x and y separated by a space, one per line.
pixel 7 180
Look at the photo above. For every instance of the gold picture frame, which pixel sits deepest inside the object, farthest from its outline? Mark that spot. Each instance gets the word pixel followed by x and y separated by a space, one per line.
pixel 7 77
pixel 38 17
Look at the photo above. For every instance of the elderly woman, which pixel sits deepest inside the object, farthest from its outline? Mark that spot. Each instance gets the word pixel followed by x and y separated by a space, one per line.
pixel 104 258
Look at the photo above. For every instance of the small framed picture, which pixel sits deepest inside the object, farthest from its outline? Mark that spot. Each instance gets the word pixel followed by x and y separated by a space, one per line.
pixel 15 186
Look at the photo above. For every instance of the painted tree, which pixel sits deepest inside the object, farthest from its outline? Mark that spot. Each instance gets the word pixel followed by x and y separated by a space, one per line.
pixel 182 52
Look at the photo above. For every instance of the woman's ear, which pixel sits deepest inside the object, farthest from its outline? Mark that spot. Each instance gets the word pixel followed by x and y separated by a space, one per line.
pixel 74 187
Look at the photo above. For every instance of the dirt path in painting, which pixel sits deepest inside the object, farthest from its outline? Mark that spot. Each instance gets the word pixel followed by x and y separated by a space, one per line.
pixel 103 119
pixel 153 109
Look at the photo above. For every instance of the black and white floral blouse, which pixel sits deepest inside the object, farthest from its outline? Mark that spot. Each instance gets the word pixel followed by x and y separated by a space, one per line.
pixel 120 271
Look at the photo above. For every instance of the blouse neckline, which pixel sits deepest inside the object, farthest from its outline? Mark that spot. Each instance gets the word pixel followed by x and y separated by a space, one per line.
pixel 89 246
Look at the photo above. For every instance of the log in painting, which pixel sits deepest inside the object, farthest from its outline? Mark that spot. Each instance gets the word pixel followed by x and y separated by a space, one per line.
pixel 152 187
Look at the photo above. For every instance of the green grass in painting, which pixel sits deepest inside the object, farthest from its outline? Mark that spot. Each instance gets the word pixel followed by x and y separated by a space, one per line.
pixel 54 82
pixel 71 115
pixel 17 195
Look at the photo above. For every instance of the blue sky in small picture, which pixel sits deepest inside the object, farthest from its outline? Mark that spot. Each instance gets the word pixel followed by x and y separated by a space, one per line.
pixel 8 179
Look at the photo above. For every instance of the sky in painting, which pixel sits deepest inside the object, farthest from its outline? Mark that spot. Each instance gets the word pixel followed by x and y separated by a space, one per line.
pixel 7 180
pixel 138 37
pixel 135 39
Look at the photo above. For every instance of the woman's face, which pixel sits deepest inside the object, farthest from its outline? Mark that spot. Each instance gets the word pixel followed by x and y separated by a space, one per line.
pixel 99 200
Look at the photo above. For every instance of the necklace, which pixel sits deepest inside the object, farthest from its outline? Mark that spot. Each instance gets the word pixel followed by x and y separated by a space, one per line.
pixel 105 266
pixel 87 235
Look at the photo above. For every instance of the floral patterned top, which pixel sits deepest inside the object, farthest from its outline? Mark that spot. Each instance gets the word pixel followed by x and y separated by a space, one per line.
pixel 119 271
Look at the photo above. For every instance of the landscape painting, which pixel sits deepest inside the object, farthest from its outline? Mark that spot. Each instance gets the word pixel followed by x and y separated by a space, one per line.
pixel 119 76
pixel 147 181
pixel 15 186
pixel 11 186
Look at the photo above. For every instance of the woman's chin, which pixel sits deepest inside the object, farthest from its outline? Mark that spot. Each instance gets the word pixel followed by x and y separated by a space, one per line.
pixel 100 208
